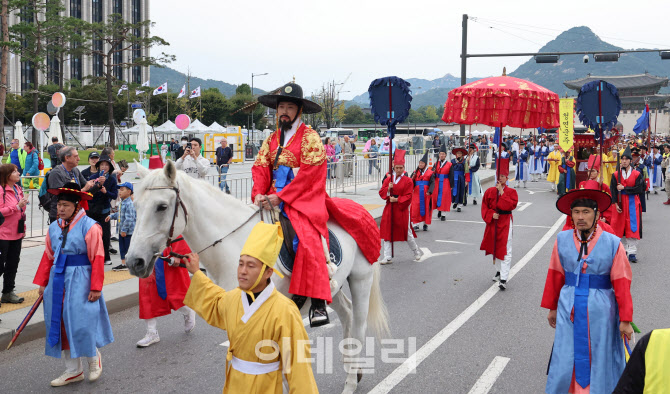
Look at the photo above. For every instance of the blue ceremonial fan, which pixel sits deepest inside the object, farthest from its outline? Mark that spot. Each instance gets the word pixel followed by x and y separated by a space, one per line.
pixel 598 106
pixel 390 101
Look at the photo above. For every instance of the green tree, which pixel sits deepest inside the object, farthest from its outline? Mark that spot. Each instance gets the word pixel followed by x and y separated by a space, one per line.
pixel 119 36
pixel 243 90
pixel 430 114
pixel 353 115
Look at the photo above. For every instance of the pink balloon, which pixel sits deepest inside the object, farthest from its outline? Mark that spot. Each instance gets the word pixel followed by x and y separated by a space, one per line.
pixel 41 121
pixel 182 122
pixel 58 99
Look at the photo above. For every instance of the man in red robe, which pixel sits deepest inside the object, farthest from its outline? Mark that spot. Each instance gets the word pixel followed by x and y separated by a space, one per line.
pixel 290 170
pixel 424 183
pixel 395 225
pixel 497 205
pixel 442 192
pixel 626 187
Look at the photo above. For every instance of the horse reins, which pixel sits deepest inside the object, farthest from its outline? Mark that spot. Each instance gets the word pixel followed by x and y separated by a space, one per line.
pixel 180 202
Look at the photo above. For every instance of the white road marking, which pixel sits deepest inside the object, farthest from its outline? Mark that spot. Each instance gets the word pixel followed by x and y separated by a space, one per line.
pixel 428 254
pixel 305 322
pixel 478 222
pixel 489 377
pixel 465 221
pixel 429 347
pixel 523 205
pixel 453 242
pixel 531 226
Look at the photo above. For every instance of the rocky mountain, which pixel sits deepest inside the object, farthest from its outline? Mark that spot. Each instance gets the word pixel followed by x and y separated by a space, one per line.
pixel 550 76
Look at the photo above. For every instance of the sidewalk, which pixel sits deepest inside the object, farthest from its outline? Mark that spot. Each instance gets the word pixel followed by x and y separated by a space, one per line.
pixel 120 288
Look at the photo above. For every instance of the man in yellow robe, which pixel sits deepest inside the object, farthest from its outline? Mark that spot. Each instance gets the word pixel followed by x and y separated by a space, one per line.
pixel 266 333
pixel 554 160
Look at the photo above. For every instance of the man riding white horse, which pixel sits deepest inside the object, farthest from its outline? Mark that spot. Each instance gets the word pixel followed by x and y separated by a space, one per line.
pixel 290 173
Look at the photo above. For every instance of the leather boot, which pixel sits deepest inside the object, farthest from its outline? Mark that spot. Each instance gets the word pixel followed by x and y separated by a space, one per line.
pixel 299 300
pixel 318 315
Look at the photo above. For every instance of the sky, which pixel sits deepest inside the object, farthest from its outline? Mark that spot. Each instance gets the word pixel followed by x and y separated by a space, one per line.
pixel 357 41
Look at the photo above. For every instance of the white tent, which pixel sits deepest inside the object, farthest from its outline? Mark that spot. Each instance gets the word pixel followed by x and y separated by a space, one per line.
pixel 142 138
pixel 197 127
pixel 217 128
pixel 167 128
pixel 133 130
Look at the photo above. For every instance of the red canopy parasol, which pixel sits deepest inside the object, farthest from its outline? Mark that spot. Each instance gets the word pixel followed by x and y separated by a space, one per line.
pixel 502 102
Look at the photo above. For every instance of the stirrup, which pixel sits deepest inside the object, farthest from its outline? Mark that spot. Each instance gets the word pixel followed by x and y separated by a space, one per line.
pixel 299 300
pixel 315 312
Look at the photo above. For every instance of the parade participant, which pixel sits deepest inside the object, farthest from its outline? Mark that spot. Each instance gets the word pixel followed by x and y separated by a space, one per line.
pixel 593 183
pixel 70 276
pixel 544 153
pixel 536 161
pixel 424 183
pixel 395 225
pixel 554 159
pixel 656 176
pixel 474 184
pixel 163 291
pixel 567 177
pixel 647 370
pixel 260 322
pixel 497 205
pixel 609 164
pixel 290 170
pixel 638 165
pixel 442 197
pixel 626 186
pixel 666 160
pixel 587 292
pixel 522 165
pixel 457 179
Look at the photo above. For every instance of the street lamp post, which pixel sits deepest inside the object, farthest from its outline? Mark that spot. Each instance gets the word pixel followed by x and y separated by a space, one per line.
pixel 252 96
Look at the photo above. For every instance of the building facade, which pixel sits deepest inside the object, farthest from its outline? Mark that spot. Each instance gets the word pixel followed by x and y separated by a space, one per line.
pixel 20 73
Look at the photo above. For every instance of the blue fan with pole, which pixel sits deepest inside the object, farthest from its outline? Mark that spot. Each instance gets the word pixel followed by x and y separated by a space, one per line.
pixel 390 101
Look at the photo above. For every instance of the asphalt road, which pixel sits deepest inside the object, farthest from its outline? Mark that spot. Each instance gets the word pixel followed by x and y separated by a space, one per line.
pixel 446 303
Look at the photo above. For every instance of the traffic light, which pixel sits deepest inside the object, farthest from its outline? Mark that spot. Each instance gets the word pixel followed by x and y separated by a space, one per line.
pixel 606 57
pixel 546 58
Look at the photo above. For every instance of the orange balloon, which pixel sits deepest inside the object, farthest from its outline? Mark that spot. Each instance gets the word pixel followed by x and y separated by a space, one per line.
pixel 41 121
pixel 58 99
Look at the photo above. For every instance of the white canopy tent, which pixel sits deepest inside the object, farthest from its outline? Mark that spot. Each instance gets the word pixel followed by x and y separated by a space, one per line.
pixel 198 128
pixel 167 128
pixel 217 128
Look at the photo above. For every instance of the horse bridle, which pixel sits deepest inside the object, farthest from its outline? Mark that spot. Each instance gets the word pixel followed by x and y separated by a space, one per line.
pixel 180 202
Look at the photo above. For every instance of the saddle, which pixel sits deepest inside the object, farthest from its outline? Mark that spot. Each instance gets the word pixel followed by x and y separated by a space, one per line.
pixel 287 252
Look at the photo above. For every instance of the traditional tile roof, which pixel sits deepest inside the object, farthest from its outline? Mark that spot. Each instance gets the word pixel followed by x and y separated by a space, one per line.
pixel 621 81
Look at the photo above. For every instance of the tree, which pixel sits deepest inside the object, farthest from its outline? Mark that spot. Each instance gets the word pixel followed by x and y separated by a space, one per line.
pixel 333 108
pixel 353 115
pixel 5 46
pixel 119 36
pixel 430 114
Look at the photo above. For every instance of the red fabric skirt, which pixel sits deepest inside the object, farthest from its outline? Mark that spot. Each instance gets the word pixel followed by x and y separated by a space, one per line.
pixel 177 281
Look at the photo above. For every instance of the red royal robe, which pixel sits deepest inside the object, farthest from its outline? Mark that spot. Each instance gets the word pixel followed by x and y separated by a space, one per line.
pixel 415 210
pixel 497 230
pixel 442 181
pixel 397 212
pixel 621 222
pixel 308 207
pixel 177 281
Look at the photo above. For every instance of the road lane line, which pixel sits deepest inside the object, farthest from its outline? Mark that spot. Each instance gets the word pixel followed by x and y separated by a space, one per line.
pixel 485 382
pixel 410 365
pixel 453 242
pixel 522 206
pixel 478 222
pixel 528 225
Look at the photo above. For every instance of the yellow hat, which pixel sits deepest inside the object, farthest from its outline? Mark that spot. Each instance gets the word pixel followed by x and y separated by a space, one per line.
pixel 264 243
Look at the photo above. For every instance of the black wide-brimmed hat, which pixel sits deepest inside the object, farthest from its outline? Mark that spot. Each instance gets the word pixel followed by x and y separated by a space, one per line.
pixel 456 150
pixel 602 199
pixel 71 189
pixel 290 92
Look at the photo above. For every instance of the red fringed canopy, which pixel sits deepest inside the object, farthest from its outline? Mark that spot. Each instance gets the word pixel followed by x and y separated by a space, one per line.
pixel 502 102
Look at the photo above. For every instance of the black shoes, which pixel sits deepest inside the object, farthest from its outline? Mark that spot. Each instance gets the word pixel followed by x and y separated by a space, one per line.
pixel 474 202
pixel 458 209
pixel 416 228
pixel 425 227
pixel 502 285
pixel 113 251
pixel 318 315
pixel 443 218
pixel 455 205
pixel 299 300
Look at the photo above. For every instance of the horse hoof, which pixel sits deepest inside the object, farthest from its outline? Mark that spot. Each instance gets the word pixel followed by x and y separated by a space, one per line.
pixel 359 376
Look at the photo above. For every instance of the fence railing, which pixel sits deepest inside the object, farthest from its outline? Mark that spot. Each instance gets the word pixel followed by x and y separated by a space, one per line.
pixel 345 174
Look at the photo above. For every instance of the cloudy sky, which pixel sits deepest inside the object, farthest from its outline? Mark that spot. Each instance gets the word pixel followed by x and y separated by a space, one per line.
pixel 327 40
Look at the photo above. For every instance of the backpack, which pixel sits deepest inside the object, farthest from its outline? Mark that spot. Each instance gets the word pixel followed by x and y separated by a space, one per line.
pixel 43 195
pixel 40 164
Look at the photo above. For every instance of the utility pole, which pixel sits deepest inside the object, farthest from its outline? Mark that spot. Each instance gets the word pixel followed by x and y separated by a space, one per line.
pixel 464 61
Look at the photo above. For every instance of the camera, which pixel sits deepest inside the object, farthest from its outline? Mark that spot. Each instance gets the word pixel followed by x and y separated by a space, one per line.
pixel 189 146
pixel 586 58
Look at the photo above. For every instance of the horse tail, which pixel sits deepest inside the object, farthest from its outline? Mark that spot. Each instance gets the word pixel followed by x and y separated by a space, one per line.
pixel 378 316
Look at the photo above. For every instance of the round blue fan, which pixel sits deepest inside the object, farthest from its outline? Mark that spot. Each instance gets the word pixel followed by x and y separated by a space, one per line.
pixel 390 101
pixel 598 106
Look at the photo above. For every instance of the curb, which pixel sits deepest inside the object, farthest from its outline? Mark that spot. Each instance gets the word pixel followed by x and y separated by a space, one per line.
pixel 36 329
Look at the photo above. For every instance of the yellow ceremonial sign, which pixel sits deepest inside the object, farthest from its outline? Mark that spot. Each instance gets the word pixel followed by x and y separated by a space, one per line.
pixel 567 130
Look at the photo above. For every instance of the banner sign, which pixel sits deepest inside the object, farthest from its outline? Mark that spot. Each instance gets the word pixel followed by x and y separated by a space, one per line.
pixel 566 131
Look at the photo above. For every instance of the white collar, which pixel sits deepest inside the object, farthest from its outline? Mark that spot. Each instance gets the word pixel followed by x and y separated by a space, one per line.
pixel 625 172
pixel 249 310
pixel 396 178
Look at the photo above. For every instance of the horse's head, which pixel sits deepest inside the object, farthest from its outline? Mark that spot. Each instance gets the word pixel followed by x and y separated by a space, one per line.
pixel 159 213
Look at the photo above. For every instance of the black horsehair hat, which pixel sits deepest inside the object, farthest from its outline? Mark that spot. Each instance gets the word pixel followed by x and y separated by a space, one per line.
pixel 291 92
pixel 602 199
pixel 425 158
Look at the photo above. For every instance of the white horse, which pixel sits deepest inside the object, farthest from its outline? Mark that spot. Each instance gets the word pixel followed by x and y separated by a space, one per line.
pixel 170 203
